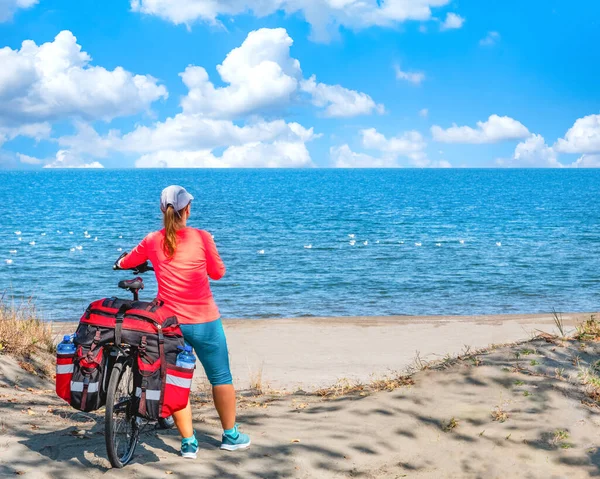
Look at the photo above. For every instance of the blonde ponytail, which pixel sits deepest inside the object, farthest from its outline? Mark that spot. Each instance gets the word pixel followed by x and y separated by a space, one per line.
pixel 172 222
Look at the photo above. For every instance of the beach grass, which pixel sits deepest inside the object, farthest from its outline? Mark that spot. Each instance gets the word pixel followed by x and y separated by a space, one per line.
pixel 22 332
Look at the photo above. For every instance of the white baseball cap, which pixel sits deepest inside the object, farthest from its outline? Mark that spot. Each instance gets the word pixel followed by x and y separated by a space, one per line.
pixel 176 196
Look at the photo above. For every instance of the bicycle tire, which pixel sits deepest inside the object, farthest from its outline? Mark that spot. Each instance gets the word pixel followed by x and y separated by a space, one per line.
pixel 119 416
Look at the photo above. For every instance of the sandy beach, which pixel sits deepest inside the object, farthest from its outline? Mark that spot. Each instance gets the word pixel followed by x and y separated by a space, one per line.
pixel 336 404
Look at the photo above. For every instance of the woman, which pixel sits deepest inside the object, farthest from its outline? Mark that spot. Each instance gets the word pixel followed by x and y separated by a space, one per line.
pixel 183 259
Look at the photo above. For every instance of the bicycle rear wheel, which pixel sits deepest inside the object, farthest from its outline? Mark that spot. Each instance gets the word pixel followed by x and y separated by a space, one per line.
pixel 121 426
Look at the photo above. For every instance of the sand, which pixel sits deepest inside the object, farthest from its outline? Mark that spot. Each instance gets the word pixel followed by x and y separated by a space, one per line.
pixel 439 427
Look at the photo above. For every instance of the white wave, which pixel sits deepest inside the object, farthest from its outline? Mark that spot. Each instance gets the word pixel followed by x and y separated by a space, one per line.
pixel 72 249
pixel 352 242
pixel 350 236
pixel 418 244
pixel 43 234
pixel 366 242
pixel 79 248
pixel 308 246
pixel 13 251
pixel 70 232
pixel 498 243
pixel 438 244
pixel 32 243
pixel 17 233
pixel 9 261
pixel 261 251
pixel 119 249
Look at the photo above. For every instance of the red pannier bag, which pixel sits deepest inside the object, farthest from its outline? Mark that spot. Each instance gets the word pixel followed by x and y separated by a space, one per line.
pixel 64 373
pixel 154 334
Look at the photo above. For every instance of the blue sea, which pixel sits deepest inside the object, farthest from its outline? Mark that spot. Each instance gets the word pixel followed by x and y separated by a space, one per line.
pixel 317 242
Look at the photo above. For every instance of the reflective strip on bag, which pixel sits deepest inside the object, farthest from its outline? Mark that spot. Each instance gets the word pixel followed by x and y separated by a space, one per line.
pixel 179 382
pixel 64 368
pixel 77 387
pixel 151 394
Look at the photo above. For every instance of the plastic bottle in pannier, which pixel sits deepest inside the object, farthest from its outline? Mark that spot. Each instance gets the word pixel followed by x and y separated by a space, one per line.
pixel 66 346
pixel 65 353
pixel 186 358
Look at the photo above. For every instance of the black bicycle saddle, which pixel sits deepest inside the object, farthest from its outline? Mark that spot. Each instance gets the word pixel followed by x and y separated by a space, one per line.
pixel 134 284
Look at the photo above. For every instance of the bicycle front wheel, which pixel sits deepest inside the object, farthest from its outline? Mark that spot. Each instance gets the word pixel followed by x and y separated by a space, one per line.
pixel 121 428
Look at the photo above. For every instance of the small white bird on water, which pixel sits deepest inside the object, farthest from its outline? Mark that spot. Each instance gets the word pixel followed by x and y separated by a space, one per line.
pixel 58 231
pixel 70 232
pixel 498 243
pixel 96 238
pixel 13 251
pixel 119 249
pixel 461 241
pixel 85 233
pixel 366 242
pixel 377 242
pixel 78 248
pixel 121 237
pixel 18 233
pixel 308 246
pixel 32 243
pixel 43 234
pixel 400 242
pixel 9 261
pixel 438 244
pixel 350 236
pixel 261 251
pixel 418 244
pixel 352 242
pixel 20 239
pixel 72 250
pixel 88 236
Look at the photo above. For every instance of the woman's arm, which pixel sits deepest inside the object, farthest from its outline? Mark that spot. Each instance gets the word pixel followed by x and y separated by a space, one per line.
pixel 136 257
pixel 214 264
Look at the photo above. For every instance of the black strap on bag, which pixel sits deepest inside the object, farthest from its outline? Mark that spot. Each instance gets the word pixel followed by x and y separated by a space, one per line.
pixel 163 366
pixel 119 323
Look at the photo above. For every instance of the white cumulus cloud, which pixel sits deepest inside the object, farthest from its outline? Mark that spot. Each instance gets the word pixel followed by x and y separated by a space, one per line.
pixel 490 39
pixel 28 160
pixel 9 7
pixel 325 16
pixel 453 21
pixel 587 161
pixel 495 129
pixel 66 159
pixel 423 113
pixel 582 137
pixel 339 101
pixel 55 81
pixel 412 77
pixel 279 154
pixel 533 153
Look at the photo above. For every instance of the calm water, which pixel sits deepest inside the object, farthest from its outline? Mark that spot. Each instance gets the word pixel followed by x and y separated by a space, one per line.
pixel 530 238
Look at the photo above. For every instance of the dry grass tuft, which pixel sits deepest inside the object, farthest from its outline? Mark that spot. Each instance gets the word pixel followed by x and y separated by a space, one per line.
pixel 589 330
pixel 22 333
pixel 256 381
pixel 499 414
pixel 390 384
pixel 341 388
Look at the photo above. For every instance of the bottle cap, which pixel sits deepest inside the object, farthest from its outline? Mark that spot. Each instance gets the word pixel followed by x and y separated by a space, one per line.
pixel 67 337
pixel 187 348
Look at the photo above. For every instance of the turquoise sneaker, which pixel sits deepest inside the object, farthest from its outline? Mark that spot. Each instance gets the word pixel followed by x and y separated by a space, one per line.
pixel 234 440
pixel 189 448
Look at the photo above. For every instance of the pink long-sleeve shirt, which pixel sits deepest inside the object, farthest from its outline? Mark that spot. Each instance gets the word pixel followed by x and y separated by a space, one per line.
pixel 183 280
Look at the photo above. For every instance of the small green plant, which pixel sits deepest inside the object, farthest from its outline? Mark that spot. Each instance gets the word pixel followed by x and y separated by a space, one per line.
pixel 589 330
pixel 566 445
pixel 450 425
pixel 517 355
pixel 527 352
pixel 559 373
pixel 534 362
pixel 518 382
pixel 559 323
pixel 560 435
pixel 526 393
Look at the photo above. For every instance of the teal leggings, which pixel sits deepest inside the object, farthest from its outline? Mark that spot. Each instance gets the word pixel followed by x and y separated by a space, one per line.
pixel 208 340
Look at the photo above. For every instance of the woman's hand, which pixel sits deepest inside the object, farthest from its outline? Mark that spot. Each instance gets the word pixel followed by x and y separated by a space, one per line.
pixel 116 265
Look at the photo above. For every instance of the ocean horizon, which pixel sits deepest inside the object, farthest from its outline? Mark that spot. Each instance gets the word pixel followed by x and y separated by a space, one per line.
pixel 316 242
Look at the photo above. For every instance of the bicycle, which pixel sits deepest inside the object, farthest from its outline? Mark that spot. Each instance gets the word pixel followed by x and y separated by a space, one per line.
pixel 122 425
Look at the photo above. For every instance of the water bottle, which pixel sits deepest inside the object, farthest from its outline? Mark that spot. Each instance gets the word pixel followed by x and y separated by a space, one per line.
pixel 186 358
pixel 66 346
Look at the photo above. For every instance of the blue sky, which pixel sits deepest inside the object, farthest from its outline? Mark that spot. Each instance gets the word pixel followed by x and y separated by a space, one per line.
pixel 299 83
